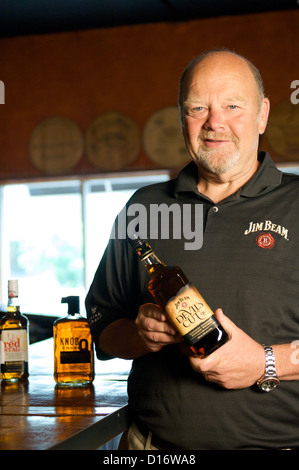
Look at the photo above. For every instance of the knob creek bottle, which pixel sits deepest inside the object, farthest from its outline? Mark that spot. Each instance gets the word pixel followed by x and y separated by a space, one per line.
pixel 184 306
pixel 73 347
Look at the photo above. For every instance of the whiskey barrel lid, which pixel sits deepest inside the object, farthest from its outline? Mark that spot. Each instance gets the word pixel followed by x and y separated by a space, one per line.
pixel 282 130
pixel 163 139
pixel 112 141
pixel 56 145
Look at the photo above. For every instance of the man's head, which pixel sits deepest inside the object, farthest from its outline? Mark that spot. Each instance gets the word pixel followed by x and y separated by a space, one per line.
pixel 223 111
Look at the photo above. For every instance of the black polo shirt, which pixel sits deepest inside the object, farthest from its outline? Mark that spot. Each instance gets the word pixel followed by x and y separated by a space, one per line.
pixel 248 265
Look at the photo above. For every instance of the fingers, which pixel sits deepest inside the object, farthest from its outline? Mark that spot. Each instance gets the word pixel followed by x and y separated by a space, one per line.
pixel 235 364
pixel 225 322
pixel 206 365
pixel 152 312
pixel 152 319
pixel 154 328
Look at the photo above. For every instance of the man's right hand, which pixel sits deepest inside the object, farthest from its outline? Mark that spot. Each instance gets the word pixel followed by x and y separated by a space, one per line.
pixel 154 328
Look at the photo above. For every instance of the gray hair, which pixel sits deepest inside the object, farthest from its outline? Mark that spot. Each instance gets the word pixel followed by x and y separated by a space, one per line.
pixel 187 72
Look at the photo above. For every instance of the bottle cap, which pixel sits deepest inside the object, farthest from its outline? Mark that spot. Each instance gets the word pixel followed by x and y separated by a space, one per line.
pixel 135 241
pixel 73 302
pixel 141 247
pixel 13 288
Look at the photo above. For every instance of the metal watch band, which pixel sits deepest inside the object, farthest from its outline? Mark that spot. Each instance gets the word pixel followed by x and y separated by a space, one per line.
pixel 270 361
pixel 270 380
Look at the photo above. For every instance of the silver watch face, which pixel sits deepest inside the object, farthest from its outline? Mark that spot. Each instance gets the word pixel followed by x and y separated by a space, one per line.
pixel 269 384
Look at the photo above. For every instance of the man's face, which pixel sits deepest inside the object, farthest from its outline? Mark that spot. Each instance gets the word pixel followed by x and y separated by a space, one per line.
pixel 223 115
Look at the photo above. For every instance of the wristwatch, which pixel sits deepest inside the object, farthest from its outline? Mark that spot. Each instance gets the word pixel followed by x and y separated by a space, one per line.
pixel 269 381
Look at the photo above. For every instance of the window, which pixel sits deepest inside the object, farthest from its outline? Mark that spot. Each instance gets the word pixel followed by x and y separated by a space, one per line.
pixel 289 168
pixel 53 235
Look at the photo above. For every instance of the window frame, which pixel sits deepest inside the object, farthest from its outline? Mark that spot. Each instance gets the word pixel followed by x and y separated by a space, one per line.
pixel 75 184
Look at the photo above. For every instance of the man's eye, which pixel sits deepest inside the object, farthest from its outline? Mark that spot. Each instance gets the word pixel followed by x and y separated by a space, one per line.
pixel 233 106
pixel 195 111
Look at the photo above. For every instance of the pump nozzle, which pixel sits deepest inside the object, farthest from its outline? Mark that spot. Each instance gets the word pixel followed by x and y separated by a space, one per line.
pixel 73 304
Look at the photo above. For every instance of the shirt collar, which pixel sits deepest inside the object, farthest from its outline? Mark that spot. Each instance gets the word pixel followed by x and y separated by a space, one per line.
pixel 264 180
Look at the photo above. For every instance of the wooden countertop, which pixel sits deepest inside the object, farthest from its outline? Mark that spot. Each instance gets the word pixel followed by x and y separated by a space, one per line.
pixel 40 415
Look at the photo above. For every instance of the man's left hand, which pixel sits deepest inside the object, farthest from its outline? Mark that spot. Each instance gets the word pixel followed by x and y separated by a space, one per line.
pixel 239 363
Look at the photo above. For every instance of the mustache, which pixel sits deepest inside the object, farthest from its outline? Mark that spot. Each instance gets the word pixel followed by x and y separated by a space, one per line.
pixel 208 135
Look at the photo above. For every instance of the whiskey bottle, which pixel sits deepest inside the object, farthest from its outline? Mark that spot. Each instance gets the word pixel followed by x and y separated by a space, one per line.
pixel 73 347
pixel 182 303
pixel 14 338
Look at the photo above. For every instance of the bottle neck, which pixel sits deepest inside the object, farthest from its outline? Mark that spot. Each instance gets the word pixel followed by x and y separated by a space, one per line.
pixel 13 305
pixel 74 316
pixel 146 254
pixel 152 262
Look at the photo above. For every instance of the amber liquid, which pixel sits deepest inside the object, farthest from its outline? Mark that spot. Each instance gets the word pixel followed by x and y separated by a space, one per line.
pixel 14 368
pixel 73 352
pixel 164 285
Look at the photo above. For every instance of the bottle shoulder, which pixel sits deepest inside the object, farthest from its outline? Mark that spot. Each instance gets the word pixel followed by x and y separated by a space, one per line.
pixel 11 322
pixel 71 321
pixel 167 272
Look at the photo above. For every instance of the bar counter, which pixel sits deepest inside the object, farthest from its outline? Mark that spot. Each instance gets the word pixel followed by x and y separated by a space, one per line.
pixel 40 415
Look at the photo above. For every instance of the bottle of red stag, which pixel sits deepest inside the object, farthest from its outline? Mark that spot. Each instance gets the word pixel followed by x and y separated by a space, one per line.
pixel 14 334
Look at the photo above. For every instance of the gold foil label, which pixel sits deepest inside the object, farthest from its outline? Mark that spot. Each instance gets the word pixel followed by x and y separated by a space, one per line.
pixel 190 314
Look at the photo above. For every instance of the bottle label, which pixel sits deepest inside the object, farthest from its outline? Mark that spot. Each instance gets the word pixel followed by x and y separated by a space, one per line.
pixel 14 346
pixel 74 349
pixel 190 314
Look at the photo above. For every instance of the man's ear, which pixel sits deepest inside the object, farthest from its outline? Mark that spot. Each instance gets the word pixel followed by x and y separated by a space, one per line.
pixel 264 114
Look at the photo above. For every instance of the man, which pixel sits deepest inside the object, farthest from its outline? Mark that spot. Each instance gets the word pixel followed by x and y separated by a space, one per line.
pixel 248 265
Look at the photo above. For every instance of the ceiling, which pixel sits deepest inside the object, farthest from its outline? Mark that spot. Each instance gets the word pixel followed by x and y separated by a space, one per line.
pixel 24 17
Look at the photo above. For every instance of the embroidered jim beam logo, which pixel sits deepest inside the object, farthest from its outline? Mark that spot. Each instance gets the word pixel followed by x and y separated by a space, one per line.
pixel 190 314
pixel 265 240
pixel 266 230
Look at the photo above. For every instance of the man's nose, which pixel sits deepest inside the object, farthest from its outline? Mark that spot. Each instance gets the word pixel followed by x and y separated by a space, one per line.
pixel 215 120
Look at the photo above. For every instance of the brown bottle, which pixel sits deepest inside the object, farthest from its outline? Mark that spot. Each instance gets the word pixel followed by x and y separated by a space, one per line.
pixel 182 303
pixel 73 347
pixel 14 334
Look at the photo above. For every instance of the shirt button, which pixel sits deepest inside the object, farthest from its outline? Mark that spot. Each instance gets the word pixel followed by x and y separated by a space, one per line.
pixel 215 209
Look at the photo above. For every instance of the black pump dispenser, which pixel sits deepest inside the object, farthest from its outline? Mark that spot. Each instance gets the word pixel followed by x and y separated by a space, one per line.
pixel 73 302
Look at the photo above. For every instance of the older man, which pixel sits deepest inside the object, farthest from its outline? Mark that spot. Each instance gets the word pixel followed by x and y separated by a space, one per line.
pixel 248 266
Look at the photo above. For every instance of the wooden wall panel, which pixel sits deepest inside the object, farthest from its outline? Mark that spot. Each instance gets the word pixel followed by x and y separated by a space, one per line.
pixel 133 70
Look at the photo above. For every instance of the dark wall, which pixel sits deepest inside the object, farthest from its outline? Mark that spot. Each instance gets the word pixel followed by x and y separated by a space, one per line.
pixel 132 70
